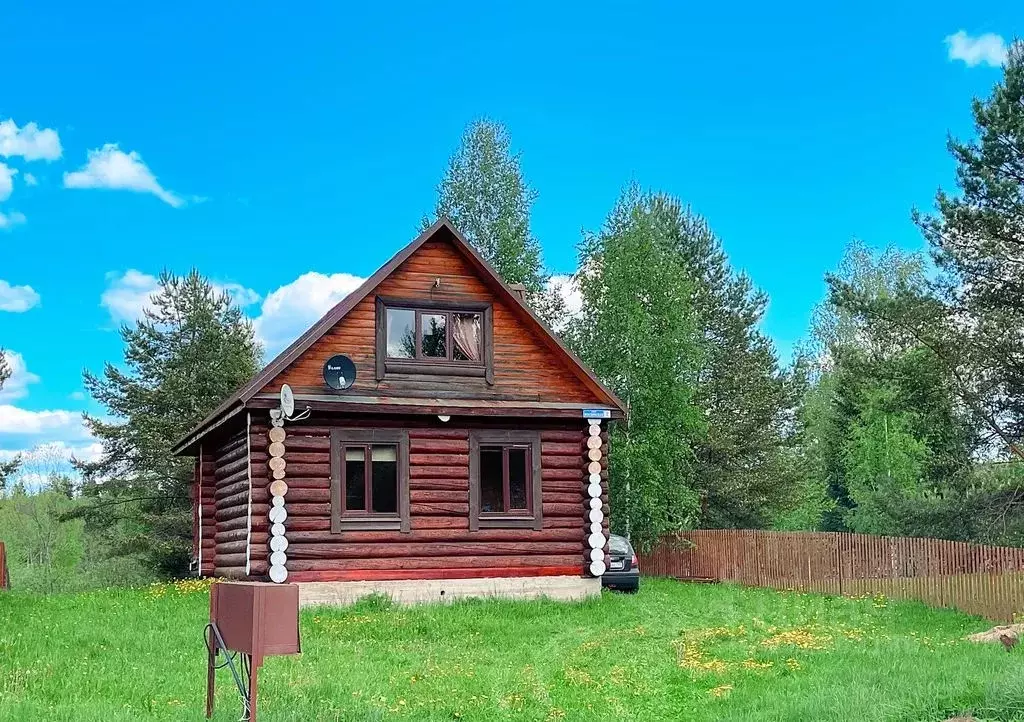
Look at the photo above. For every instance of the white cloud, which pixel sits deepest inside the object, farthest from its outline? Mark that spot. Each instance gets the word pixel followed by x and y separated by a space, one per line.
pixel 110 167
pixel 30 180
pixel 45 440
pixel 9 221
pixel 241 295
pixel 569 290
pixel 989 48
pixel 6 180
pixel 292 308
pixel 77 396
pixel 130 293
pixel 17 385
pixel 16 299
pixel 22 422
pixel 30 142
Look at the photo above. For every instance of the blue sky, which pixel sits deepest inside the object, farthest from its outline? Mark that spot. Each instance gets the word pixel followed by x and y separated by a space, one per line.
pixel 286 154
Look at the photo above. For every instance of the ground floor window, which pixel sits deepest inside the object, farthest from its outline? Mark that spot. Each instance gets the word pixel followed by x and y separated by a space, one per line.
pixel 369 479
pixel 504 479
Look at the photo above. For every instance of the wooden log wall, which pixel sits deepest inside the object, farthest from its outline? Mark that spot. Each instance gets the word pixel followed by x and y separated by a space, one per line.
pixel 439 544
pixel 203 513
pixel 231 508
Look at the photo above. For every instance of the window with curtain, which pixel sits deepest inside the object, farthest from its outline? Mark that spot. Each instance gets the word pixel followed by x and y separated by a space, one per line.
pixel 433 338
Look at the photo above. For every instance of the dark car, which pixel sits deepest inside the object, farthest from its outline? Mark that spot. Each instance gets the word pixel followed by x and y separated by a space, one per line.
pixel 623 567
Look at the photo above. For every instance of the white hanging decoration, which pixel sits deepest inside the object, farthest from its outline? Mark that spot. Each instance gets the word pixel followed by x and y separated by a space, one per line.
pixel 597 568
pixel 280 544
pixel 278 501
pixel 278 574
pixel 595 527
pixel 596 516
pixel 278 559
pixel 594 478
pixel 595 503
pixel 594 491
pixel 597 555
pixel 594 430
pixel 595 422
pixel 277 530
pixel 596 541
pixel 278 514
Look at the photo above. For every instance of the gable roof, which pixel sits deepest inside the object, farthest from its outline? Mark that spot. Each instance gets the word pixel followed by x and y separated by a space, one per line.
pixel 512 297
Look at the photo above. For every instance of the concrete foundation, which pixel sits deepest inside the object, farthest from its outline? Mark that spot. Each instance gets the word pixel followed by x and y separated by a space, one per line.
pixel 418 591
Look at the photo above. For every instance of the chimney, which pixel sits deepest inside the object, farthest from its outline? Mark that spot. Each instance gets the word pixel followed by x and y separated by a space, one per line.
pixel 519 290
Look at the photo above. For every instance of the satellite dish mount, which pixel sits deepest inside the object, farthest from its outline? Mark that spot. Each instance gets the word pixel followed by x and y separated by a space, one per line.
pixel 286 412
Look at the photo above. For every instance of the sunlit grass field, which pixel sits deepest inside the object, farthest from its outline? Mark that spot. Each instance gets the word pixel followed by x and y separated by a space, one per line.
pixel 672 652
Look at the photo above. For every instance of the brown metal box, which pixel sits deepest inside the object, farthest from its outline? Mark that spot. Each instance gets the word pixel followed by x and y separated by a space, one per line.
pixel 257 618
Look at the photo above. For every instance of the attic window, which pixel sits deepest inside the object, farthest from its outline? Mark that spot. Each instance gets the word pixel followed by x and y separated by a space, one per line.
pixel 428 337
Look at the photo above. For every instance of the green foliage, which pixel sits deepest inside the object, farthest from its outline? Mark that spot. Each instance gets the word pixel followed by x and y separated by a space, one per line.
pixel 483 193
pixel 806 455
pixel 884 461
pixel 638 331
pixel 743 466
pixel 44 550
pixel 670 652
pixel 190 351
pixel 977 239
pixel 895 443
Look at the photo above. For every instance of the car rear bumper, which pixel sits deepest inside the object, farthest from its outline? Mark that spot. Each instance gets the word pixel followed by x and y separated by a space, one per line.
pixel 626 580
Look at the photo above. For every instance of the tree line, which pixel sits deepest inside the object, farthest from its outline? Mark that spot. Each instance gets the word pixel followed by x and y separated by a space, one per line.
pixel 901 413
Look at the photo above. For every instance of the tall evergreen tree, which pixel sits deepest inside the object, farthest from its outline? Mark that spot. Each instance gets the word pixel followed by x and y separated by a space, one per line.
pixel 191 349
pixel 638 331
pixel 742 465
pixel 484 194
pixel 5 368
pixel 977 238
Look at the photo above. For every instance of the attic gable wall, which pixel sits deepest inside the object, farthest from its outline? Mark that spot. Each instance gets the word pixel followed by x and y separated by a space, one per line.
pixel 525 369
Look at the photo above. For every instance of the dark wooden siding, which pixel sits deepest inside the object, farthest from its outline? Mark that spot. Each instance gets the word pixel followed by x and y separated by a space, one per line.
pixel 524 367
pixel 203 529
pixel 231 507
pixel 440 543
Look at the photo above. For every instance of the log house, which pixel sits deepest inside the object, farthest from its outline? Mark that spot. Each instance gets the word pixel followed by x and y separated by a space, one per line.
pixel 467 456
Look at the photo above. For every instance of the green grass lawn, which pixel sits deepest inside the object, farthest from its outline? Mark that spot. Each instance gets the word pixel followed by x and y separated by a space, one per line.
pixel 672 652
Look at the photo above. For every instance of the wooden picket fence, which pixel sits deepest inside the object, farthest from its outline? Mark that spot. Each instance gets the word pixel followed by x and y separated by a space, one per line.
pixel 5 579
pixel 983 580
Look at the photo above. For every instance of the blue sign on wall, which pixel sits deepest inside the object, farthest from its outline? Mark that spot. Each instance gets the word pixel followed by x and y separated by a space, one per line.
pixel 597 413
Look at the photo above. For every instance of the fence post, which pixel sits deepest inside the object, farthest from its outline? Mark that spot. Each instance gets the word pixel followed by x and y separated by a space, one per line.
pixel 5 580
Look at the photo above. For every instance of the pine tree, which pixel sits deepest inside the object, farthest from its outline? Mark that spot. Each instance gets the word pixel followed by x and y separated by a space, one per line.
pixel 638 331
pixel 742 466
pixel 5 369
pixel 483 193
pixel 977 238
pixel 191 349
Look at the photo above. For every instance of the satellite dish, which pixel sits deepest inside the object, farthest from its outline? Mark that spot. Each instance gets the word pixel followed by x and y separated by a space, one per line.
pixel 339 372
pixel 287 400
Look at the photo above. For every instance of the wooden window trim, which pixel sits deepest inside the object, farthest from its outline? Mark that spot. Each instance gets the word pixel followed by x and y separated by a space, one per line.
pixel 352 521
pixel 533 519
pixel 429 365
